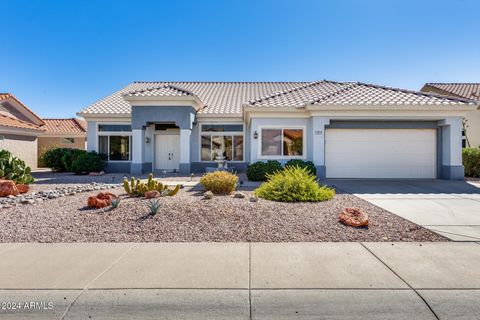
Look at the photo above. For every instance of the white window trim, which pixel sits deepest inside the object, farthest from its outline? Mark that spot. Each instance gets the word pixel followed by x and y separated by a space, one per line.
pixel 223 133
pixel 115 133
pixel 282 157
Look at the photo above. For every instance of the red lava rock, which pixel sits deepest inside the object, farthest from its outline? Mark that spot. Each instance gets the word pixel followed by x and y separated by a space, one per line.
pixel 152 194
pixel 101 200
pixel 8 187
pixel 353 217
pixel 23 188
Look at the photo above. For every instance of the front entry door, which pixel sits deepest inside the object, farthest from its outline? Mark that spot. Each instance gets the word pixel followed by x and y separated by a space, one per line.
pixel 167 155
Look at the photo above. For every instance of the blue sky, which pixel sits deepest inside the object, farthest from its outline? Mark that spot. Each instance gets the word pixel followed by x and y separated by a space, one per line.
pixel 60 56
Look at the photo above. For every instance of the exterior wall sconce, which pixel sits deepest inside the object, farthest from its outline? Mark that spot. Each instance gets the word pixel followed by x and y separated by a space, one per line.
pixel 255 135
pixel 147 140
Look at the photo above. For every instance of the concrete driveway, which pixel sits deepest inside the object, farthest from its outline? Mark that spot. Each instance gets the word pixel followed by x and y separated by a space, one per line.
pixel 450 208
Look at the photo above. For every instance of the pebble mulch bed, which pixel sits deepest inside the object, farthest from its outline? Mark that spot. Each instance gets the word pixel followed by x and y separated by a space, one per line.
pixel 62 216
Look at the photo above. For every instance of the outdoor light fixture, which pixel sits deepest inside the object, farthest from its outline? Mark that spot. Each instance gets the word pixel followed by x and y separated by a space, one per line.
pixel 147 140
pixel 255 135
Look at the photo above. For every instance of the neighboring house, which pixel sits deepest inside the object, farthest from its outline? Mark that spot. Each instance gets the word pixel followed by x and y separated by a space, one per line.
pixel 348 129
pixel 471 136
pixel 19 129
pixel 64 133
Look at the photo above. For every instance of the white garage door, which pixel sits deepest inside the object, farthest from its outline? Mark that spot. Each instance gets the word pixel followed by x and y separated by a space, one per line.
pixel 380 153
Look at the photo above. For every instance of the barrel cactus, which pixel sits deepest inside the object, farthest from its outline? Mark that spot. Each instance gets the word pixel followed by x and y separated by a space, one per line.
pixel 13 168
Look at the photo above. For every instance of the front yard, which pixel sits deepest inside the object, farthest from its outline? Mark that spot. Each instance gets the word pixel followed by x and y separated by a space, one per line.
pixel 189 217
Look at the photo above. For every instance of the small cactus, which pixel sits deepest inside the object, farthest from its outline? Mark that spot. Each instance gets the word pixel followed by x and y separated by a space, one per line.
pixel 153 206
pixel 115 203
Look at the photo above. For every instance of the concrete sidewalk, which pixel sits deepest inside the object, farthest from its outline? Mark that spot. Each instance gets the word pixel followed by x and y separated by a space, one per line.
pixel 240 281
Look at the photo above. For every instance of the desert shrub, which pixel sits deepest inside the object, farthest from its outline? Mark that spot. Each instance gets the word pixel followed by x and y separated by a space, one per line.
pixel 293 184
pixel 13 168
pixel 53 158
pixel 88 162
pixel 471 161
pixel 302 164
pixel 219 182
pixel 258 171
pixel 69 156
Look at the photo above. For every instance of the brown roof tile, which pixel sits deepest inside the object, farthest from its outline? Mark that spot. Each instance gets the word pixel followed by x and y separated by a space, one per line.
pixel 463 90
pixel 69 125
pixel 17 123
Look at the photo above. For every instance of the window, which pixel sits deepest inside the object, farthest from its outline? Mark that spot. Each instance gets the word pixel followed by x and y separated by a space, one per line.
pixel 219 141
pixel 117 148
pixel 67 140
pixel 282 142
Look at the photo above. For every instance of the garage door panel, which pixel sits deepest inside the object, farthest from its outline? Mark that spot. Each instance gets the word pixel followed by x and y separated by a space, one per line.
pixel 380 153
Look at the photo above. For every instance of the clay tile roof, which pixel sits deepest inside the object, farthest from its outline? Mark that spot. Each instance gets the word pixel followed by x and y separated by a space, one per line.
pixel 228 98
pixel 463 90
pixel 4 96
pixel 70 125
pixel 17 123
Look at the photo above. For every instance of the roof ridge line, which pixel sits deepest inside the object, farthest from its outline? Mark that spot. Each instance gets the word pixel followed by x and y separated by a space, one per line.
pixel 166 85
pixel 333 93
pixel 279 93
pixel 418 93
pixel 475 83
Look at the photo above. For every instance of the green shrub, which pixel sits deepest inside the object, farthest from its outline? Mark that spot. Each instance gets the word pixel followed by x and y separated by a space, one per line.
pixel 88 162
pixel 302 164
pixel 293 184
pixel 53 158
pixel 258 171
pixel 471 161
pixel 69 156
pixel 13 168
pixel 219 182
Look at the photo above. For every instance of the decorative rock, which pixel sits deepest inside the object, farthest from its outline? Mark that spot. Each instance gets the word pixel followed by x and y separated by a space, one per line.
pixel 254 199
pixel 152 194
pixel 239 195
pixel 23 188
pixel 28 201
pixel 11 196
pixel 7 188
pixel 52 196
pixel 208 195
pixel 101 200
pixel 353 217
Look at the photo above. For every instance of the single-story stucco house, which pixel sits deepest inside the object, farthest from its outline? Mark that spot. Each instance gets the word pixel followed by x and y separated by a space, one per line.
pixel 20 128
pixel 471 134
pixel 348 129
pixel 62 133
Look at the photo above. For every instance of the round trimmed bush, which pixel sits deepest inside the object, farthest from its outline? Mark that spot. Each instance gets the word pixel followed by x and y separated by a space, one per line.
pixel 258 171
pixel 471 161
pixel 302 164
pixel 293 184
pixel 219 182
pixel 53 158
pixel 89 162
pixel 69 156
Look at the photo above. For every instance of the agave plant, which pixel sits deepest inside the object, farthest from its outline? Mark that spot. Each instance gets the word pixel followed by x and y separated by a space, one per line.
pixel 13 168
pixel 153 206
pixel 115 203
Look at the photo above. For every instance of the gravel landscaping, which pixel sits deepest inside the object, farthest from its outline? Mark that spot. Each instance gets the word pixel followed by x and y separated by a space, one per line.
pixel 189 217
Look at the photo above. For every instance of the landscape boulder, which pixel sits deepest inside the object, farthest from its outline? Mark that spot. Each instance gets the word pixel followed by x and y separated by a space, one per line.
pixel 23 188
pixel 353 217
pixel 239 195
pixel 208 195
pixel 152 194
pixel 101 200
pixel 8 188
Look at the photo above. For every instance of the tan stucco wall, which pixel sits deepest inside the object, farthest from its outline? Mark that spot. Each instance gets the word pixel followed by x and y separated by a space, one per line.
pixel 23 147
pixel 45 143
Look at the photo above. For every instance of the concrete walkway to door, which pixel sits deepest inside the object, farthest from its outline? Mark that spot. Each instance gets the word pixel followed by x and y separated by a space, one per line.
pixel 450 208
